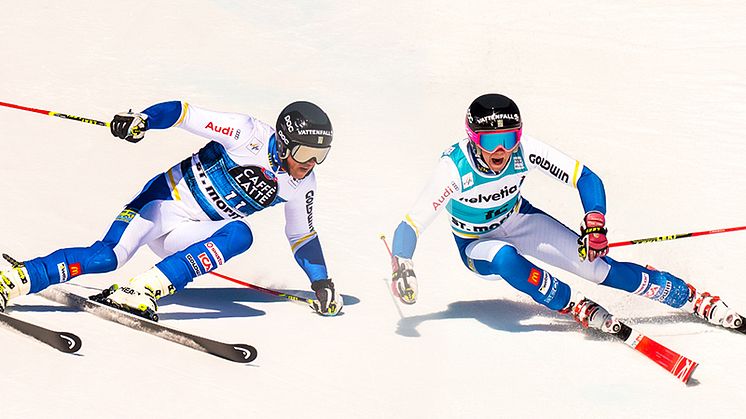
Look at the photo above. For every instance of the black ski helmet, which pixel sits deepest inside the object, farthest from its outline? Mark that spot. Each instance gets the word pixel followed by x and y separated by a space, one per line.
pixel 302 124
pixel 492 112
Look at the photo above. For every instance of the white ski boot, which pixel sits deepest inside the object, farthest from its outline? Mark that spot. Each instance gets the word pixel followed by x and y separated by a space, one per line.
pixel 14 282
pixel 140 296
pixel 590 314
pixel 711 308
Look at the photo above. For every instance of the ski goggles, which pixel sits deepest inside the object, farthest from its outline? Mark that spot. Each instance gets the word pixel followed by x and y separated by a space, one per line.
pixel 304 153
pixel 490 141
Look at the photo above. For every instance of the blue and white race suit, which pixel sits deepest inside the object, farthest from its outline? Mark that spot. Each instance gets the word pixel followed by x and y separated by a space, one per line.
pixel 194 215
pixel 495 226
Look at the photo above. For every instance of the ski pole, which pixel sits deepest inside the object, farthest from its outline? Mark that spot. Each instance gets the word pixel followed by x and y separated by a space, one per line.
pixel 391 255
pixel 676 236
pixel 57 114
pixel 293 298
pixel 392 289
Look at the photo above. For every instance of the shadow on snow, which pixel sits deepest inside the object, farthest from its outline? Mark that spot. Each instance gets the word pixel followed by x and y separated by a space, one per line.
pixel 217 302
pixel 229 302
pixel 513 316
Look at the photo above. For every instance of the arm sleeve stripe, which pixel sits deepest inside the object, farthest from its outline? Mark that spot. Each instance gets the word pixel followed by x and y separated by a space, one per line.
pixel 172 184
pixel 184 109
pixel 302 240
pixel 575 174
pixel 465 235
pixel 413 225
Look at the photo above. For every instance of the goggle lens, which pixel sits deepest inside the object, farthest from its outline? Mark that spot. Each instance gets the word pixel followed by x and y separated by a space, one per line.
pixel 304 154
pixel 494 140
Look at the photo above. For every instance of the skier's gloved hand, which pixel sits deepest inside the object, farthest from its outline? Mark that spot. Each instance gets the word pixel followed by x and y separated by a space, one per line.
pixel 329 302
pixel 403 280
pixel 592 243
pixel 129 126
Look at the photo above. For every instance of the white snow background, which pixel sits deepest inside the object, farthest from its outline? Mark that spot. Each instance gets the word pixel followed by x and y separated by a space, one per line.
pixel 650 95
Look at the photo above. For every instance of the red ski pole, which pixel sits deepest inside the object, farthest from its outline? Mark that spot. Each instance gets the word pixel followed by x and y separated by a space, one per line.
pixel 393 261
pixel 293 298
pixel 57 114
pixel 676 236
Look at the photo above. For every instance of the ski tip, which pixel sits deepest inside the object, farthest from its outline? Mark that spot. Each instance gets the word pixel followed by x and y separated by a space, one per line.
pixel 246 353
pixel 683 369
pixel 70 343
pixel 689 381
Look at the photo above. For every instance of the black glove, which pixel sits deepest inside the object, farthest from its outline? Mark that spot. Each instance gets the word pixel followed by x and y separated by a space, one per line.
pixel 129 126
pixel 329 301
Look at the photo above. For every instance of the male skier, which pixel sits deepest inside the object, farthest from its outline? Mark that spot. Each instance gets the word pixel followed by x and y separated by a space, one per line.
pixel 194 214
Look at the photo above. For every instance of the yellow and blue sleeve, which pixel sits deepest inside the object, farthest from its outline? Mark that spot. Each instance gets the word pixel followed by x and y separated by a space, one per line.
pixel 307 252
pixel 166 114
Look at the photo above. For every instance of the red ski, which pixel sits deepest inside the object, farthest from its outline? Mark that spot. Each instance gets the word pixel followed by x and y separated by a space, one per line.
pixel 680 366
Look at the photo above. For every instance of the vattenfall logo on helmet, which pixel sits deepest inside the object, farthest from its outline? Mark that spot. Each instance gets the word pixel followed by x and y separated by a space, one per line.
pixel 499 117
pixel 315 132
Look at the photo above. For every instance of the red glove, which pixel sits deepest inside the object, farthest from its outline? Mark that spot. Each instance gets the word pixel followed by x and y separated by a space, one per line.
pixel 592 241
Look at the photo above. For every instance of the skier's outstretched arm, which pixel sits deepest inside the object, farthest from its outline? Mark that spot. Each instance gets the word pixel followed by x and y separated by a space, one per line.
pixel 443 185
pixel 218 126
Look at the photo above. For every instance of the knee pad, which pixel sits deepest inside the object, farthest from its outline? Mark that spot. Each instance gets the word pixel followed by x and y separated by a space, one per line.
pixel 238 237
pixel 204 256
pixel 100 258
pixel 486 257
pixel 505 257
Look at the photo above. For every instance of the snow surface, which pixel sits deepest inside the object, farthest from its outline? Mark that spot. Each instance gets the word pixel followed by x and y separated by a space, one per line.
pixel 648 94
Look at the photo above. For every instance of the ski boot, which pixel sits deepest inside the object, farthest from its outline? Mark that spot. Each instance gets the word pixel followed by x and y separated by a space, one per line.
pixel 711 308
pixel 590 314
pixel 140 296
pixel 14 282
pixel 676 293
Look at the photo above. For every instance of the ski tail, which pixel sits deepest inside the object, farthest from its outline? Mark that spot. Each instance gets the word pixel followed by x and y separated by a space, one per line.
pixel 62 341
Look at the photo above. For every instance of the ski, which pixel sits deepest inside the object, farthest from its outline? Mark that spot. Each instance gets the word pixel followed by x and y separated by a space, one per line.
pixel 238 352
pixel 62 341
pixel 680 366
pixel 740 324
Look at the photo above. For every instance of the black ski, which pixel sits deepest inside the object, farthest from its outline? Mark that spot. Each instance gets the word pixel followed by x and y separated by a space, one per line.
pixel 238 352
pixel 62 341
